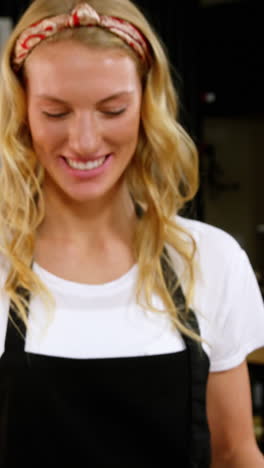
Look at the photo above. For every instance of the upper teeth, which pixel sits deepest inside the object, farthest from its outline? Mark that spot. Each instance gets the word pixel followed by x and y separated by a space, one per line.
pixel 86 166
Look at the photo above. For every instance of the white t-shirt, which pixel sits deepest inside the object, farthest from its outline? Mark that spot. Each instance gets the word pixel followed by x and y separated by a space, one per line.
pixel 102 321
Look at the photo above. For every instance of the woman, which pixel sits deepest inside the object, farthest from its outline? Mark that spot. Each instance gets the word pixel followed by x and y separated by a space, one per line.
pixel 128 326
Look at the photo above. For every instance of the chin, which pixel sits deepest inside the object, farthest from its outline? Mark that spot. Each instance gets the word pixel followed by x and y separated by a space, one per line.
pixel 88 196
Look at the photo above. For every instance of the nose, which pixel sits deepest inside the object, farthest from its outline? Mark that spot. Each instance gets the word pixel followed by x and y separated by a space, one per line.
pixel 85 135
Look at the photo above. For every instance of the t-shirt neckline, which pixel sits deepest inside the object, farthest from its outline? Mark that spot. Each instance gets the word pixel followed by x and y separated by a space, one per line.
pixel 55 282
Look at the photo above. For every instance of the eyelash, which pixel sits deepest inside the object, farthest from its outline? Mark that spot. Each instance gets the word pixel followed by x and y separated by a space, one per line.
pixel 115 113
pixel 54 116
pixel 63 114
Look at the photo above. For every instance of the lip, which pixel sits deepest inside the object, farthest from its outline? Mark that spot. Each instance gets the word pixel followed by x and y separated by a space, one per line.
pixel 85 175
pixel 85 160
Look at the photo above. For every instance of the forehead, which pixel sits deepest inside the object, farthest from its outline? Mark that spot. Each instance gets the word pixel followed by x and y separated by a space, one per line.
pixel 70 67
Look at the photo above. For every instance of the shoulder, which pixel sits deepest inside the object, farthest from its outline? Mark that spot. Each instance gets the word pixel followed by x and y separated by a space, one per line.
pixel 216 250
pixel 206 233
pixel 226 296
pixel 223 271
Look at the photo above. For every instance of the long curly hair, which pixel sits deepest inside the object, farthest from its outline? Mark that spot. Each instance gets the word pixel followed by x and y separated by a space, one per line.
pixel 162 176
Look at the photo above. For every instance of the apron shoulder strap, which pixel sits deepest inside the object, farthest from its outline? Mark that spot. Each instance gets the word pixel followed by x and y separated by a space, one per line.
pixel 199 368
pixel 16 329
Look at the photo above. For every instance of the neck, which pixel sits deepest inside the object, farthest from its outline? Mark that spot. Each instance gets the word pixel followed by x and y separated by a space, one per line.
pixel 94 222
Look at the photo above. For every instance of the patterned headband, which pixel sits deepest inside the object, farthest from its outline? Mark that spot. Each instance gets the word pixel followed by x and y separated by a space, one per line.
pixel 82 15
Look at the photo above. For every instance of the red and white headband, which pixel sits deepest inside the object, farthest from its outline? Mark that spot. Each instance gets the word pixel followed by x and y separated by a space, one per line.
pixel 82 15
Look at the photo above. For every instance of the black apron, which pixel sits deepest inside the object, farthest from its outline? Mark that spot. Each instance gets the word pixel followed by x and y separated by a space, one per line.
pixel 123 412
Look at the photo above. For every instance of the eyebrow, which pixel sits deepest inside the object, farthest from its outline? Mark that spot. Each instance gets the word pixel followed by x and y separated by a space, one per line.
pixel 102 101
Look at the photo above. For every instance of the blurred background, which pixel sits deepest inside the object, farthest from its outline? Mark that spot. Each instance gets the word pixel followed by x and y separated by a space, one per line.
pixel 216 51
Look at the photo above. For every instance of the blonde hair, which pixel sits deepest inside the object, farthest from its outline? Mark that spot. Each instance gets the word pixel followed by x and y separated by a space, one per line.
pixel 162 176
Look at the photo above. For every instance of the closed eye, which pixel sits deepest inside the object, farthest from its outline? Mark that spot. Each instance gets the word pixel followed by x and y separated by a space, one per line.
pixel 63 114
pixel 55 116
pixel 114 113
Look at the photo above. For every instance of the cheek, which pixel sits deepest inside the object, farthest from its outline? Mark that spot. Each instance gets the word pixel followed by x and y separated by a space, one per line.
pixel 37 131
pixel 43 136
pixel 126 131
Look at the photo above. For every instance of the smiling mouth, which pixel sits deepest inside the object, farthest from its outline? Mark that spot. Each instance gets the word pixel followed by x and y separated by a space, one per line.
pixel 88 166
